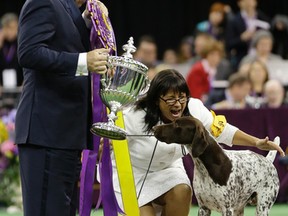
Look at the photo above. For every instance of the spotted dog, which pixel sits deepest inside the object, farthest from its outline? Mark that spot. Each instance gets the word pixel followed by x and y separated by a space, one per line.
pixel 224 180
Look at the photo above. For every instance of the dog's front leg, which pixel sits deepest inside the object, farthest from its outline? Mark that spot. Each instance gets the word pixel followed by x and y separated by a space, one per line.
pixel 228 212
pixel 203 211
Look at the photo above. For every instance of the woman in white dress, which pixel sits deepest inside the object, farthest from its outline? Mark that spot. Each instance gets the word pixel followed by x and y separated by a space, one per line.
pixel 159 174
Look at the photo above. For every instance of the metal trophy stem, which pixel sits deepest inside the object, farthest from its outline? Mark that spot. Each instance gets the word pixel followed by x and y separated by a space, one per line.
pixel 120 87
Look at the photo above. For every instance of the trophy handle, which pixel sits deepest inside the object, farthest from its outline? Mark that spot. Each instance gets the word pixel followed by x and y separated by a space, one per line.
pixel 145 87
pixel 106 78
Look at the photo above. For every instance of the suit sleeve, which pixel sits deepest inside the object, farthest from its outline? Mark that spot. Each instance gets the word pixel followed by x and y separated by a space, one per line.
pixel 233 33
pixel 37 26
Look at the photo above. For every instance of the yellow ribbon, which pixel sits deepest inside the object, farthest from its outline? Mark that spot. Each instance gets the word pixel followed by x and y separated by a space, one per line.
pixel 3 132
pixel 125 173
pixel 218 125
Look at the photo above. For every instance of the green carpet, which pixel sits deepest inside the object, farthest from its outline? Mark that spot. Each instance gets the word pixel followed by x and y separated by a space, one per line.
pixel 277 210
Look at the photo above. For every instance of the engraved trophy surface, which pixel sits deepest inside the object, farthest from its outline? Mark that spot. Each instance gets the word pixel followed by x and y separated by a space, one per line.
pixel 120 87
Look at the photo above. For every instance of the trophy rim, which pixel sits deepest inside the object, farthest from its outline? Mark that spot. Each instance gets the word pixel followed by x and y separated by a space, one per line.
pixel 107 130
pixel 139 67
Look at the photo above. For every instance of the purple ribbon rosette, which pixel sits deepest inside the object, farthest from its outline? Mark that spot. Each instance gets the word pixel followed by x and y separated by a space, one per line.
pixel 101 36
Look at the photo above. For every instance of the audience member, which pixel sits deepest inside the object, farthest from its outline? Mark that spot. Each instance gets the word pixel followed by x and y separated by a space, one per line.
pixel 242 28
pixel 185 50
pixel 151 73
pixel 11 74
pixel 203 72
pixel 258 76
pixel 146 51
pixel 224 69
pixel 279 29
pixel 184 55
pixel 170 57
pixel 274 94
pixel 215 25
pixel 235 94
pixel 262 42
pixel 244 68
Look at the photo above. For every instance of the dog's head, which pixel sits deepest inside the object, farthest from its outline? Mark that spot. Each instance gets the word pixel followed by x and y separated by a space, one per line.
pixel 185 130
pixel 191 132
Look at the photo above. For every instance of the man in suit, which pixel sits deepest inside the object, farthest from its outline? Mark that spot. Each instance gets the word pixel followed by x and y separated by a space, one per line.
pixel 54 114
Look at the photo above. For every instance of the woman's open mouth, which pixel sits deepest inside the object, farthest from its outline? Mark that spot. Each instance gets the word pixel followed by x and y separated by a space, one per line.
pixel 176 113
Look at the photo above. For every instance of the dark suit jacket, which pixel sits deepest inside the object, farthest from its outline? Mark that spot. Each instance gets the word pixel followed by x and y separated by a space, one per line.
pixel 235 28
pixel 55 105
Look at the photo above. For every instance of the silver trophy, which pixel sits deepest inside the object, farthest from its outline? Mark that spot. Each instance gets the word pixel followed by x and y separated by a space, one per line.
pixel 120 87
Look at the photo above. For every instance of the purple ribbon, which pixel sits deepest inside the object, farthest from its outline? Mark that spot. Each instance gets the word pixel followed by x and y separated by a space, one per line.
pixel 89 158
pixel 101 36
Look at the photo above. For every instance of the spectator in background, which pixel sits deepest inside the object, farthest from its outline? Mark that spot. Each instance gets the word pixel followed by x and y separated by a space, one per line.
pixel 258 76
pixel 279 29
pixel 244 68
pixel 200 42
pixel 216 23
pixel 203 72
pixel 238 89
pixel 185 50
pixel 242 28
pixel 274 94
pixel 170 57
pixel 224 69
pixel 11 73
pixel 262 42
pixel 184 55
pixel 146 51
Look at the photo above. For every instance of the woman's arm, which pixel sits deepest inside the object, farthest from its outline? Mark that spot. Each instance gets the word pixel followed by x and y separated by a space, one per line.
pixel 243 139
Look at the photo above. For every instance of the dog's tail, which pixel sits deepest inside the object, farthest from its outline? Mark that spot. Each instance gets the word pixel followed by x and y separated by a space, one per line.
pixel 272 154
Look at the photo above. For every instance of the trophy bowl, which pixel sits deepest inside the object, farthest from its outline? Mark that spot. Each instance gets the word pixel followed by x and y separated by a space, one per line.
pixel 120 87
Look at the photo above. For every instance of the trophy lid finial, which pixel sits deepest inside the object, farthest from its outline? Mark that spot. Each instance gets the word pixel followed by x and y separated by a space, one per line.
pixel 129 48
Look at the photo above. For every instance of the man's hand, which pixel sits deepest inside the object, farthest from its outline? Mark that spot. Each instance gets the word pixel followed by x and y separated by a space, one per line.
pixel 103 8
pixel 247 35
pixel 97 60
pixel 87 14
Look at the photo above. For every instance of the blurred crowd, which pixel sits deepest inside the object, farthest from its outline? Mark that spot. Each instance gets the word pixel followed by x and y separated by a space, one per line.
pixel 232 60
pixel 11 75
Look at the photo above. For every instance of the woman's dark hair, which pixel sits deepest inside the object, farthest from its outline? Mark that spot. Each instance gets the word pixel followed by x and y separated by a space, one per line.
pixel 163 82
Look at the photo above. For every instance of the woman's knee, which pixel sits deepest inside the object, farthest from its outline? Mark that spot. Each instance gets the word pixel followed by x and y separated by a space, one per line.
pixel 147 210
pixel 180 193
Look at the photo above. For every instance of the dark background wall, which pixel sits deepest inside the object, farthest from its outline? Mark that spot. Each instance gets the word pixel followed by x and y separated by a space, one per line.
pixel 167 20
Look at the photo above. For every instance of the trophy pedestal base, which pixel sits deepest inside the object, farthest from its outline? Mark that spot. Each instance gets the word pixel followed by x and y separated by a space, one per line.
pixel 108 130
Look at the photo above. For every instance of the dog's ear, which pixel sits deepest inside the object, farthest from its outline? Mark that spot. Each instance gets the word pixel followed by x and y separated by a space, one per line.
pixel 199 142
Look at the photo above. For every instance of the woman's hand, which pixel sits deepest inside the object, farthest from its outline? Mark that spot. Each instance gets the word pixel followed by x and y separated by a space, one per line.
pixel 267 145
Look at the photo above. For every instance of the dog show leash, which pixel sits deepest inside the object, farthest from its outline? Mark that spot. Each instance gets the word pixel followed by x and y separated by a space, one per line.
pixel 149 166
pixel 151 159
